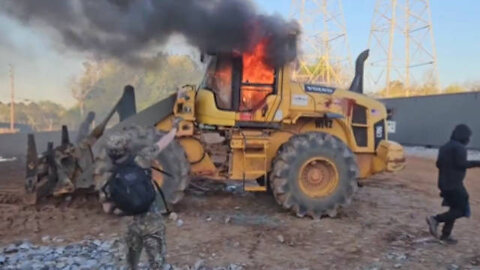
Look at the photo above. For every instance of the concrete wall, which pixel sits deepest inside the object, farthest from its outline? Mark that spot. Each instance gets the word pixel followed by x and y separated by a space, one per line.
pixel 429 120
pixel 15 145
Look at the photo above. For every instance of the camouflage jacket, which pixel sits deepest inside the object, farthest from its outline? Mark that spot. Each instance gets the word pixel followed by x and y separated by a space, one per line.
pixel 143 158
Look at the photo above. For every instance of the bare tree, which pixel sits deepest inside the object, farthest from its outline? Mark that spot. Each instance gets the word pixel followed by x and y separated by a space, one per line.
pixel 81 87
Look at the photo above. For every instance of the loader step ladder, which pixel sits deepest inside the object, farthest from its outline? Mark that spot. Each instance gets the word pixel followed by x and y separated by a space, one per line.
pixel 254 152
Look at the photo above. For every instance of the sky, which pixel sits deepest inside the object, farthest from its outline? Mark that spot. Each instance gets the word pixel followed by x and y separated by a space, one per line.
pixel 43 70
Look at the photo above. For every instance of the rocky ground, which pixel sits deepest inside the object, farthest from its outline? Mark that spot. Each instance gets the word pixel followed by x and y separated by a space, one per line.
pixel 383 228
pixel 87 254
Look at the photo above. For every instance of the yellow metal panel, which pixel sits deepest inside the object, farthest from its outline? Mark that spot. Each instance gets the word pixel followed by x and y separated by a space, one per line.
pixel 256 188
pixel 200 161
pixel 185 103
pixel 365 165
pixel 249 158
pixel 335 127
pixel 186 127
pixel 254 167
pixel 390 157
pixel 207 113
pixel 165 124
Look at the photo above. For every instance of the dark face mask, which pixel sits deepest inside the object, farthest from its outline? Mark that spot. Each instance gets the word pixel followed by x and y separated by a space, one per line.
pixel 116 154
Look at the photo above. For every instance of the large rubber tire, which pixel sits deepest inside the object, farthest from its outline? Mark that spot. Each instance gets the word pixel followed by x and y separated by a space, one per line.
pixel 172 160
pixel 294 155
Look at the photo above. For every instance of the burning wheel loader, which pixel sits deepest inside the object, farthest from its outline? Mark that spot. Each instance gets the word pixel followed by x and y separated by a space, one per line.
pixel 306 143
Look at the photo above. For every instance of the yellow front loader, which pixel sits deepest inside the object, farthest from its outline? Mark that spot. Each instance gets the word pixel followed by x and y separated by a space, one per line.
pixel 308 144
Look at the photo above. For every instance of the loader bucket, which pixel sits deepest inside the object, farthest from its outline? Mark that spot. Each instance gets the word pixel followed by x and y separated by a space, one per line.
pixel 77 162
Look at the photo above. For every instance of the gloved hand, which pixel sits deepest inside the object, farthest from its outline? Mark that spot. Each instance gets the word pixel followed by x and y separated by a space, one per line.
pixel 176 122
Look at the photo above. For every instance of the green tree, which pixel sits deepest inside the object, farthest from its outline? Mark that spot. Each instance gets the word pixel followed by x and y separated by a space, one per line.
pixel 82 86
pixel 454 88
pixel 153 82
pixel 44 115
pixel 427 89
pixel 395 89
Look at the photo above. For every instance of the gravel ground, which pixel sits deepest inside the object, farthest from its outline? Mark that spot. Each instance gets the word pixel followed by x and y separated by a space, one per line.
pixel 86 254
pixel 384 228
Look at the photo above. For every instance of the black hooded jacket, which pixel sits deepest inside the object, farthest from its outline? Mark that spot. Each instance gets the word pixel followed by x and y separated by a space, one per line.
pixel 452 160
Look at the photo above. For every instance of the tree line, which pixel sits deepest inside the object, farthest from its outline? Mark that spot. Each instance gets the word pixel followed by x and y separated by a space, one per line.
pixel 398 89
pixel 101 85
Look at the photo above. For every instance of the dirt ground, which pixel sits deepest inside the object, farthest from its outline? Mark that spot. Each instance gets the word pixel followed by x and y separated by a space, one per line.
pixel 383 228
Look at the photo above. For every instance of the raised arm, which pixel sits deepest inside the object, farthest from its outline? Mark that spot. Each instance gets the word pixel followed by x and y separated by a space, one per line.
pixel 148 153
pixel 460 159
pixel 165 140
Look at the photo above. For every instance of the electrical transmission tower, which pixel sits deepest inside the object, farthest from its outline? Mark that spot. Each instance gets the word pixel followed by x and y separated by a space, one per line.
pixel 325 53
pixel 402 46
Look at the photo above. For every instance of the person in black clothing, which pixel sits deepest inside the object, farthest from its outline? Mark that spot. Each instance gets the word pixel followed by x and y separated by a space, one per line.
pixel 452 164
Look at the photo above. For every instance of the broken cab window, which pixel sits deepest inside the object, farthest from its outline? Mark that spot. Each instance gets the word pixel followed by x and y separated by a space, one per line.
pixel 257 81
pixel 219 80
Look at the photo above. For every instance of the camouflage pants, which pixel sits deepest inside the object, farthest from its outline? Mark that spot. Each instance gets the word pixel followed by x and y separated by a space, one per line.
pixel 146 231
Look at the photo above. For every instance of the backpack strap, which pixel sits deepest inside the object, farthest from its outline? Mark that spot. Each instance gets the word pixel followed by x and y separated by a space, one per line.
pixel 159 189
pixel 161 171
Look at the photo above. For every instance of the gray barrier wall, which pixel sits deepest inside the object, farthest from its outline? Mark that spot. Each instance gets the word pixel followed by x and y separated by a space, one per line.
pixel 429 120
pixel 15 145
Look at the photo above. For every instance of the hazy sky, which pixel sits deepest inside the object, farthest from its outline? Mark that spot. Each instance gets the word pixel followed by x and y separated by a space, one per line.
pixel 43 71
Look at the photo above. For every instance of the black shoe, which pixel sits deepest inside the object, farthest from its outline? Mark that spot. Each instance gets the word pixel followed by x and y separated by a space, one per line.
pixel 448 240
pixel 432 226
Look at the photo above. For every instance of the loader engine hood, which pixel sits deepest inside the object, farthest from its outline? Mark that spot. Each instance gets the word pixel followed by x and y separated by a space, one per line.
pixel 340 103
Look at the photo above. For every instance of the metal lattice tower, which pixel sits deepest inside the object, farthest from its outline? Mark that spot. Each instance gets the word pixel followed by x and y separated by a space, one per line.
pixel 325 52
pixel 402 46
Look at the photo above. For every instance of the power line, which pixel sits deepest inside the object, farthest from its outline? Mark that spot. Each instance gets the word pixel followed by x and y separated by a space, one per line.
pixel 395 21
pixel 326 53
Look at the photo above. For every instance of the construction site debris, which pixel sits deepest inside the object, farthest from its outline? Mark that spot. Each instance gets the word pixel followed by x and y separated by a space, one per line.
pixel 86 254
pixel 385 230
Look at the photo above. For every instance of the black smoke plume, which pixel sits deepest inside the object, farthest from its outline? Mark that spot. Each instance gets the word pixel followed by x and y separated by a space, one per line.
pixel 125 29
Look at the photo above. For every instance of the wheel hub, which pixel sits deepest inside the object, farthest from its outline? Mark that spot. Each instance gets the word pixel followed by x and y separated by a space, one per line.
pixel 318 177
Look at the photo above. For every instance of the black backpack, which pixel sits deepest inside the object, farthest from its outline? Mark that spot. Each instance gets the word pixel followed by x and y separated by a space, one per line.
pixel 130 188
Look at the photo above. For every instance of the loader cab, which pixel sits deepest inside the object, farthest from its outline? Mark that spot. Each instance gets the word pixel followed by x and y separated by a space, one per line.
pixel 235 89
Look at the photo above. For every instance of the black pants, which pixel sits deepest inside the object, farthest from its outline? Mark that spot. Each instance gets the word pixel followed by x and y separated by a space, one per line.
pixel 449 218
pixel 457 200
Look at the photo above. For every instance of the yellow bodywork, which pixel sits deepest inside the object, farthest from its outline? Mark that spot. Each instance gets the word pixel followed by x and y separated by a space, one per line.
pixel 290 110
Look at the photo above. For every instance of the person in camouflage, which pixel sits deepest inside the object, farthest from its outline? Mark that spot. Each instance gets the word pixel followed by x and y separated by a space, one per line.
pixel 148 229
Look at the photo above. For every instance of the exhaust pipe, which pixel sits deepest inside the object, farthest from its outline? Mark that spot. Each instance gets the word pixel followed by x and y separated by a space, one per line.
pixel 357 82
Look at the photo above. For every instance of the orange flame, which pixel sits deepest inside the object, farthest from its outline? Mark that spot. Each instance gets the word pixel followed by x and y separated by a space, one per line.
pixel 255 70
pixel 257 80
